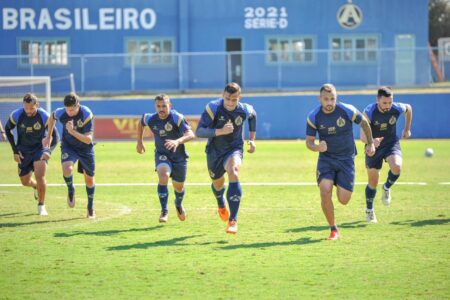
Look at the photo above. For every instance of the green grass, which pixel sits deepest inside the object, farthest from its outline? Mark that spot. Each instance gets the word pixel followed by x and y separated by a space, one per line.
pixel 280 251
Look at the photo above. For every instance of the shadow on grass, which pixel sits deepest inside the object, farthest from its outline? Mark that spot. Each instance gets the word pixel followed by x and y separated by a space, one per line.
pixel 163 243
pixel 105 232
pixel 301 241
pixel 4 225
pixel 357 224
pixel 422 223
pixel 9 215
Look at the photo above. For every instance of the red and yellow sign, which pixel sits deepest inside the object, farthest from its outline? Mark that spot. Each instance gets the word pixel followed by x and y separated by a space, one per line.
pixel 123 128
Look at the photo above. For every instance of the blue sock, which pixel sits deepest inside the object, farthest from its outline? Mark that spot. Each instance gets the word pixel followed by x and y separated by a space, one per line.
pixel 90 193
pixel 391 179
pixel 178 198
pixel 234 195
pixel 333 228
pixel 163 194
pixel 219 196
pixel 370 195
pixel 69 183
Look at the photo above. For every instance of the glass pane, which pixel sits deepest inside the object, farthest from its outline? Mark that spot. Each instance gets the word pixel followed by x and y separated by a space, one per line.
pixel 308 49
pixel 372 43
pixel 24 50
pixel 360 50
pixel 156 49
pixel 131 50
pixel 35 52
pixel 62 52
pixel 284 50
pixel 272 47
pixel 167 49
pixel 348 53
pixel 299 47
pixel 336 44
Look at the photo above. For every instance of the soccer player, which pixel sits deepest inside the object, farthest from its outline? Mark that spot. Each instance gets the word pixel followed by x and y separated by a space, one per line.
pixel 222 123
pixel 76 145
pixel 333 122
pixel 2 131
pixel 29 153
pixel 171 131
pixel 383 116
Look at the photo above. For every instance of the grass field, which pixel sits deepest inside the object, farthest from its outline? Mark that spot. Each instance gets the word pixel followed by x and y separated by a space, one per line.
pixel 280 251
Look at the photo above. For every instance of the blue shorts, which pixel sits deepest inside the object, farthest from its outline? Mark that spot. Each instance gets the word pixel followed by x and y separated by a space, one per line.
pixel 376 161
pixel 27 164
pixel 216 163
pixel 178 170
pixel 86 159
pixel 341 172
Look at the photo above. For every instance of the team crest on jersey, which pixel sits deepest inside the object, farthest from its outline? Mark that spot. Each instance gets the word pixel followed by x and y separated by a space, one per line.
pixel 211 173
pixel 392 120
pixel 340 122
pixel 168 127
pixel 65 155
pixel 22 125
pixel 162 157
pixel 37 126
pixel 79 123
pixel 238 121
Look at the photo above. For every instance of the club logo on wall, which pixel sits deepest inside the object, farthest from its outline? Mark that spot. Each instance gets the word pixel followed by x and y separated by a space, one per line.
pixel 349 15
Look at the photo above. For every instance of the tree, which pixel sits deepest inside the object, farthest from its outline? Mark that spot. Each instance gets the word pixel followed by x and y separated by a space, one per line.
pixel 439 20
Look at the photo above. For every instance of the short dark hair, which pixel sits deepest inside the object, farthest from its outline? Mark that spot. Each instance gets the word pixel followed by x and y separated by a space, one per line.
pixel 71 99
pixel 162 97
pixel 385 91
pixel 232 88
pixel 30 98
pixel 327 87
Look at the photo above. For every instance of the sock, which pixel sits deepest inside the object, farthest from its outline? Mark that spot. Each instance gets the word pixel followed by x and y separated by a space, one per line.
pixel 370 195
pixel 391 179
pixel 90 193
pixel 219 196
pixel 163 194
pixel 333 228
pixel 234 195
pixel 69 183
pixel 178 198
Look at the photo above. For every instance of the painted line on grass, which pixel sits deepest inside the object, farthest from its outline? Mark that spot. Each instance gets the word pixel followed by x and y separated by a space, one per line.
pixel 208 184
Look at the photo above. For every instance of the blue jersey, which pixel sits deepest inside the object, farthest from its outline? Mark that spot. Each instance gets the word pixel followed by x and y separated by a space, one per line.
pixel 335 129
pixel 82 123
pixel 216 116
pixel 30 130
pixel 384 124
pixel 171 128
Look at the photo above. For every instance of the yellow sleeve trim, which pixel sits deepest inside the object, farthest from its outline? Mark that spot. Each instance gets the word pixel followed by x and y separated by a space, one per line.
pixel 12 120
pixel 210 113
pixel 354 116
pixel 367 117
pixel 179 121
pixel 311 123
pixel 88 119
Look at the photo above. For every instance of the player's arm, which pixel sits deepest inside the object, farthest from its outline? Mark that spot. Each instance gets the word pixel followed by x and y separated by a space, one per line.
pixel 140 148
pixel 86 138
pixel 408 119
pixel 367 131
pixel 252 131
pixel 47 141
pixel 172 145
pixel 311 144
pixel 2 131
pixel 8 128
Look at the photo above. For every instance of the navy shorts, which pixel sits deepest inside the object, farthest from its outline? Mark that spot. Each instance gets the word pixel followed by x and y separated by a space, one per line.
pixel 376 161
pixel 27 164
pixel 86 159
pixel 178 170
pixel 216 163
pixel 341 172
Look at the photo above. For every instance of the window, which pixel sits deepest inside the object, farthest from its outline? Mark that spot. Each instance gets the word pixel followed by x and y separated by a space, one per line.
pixel 150 51
pixel 296 50
pixel 350 49
pixel 44 52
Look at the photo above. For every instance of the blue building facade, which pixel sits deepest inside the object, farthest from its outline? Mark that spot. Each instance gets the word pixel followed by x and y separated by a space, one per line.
pixel 150 45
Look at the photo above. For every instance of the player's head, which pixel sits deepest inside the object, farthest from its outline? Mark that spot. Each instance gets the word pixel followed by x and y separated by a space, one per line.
pixel 327 97
pixel 72 104
pixel 231 96
pixel 162 105
pixel 30 104
pixel 385 96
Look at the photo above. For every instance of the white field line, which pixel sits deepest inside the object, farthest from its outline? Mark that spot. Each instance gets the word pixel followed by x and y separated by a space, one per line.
pixel 208 184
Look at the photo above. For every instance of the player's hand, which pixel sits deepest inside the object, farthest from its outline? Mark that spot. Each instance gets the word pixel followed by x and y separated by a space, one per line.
pixel 322 146
pixel 251 146
pixel 69 126
pixel 45 156
pixel 171 145
pixel 226 129
pixel 46 141
pixel 140 148
pixel 3 136
pixel 18 158
pixel 370 149
pixel 377 141
pixel 406 134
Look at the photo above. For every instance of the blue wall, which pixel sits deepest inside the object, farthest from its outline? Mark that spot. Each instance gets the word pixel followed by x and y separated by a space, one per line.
pixel 284 117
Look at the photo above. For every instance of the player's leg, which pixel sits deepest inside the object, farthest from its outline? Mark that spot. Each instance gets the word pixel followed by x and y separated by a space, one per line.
pixel 178 175
pixel 395 165
pixel 373 176
pixel 163 170
pixel 234 192
pixel 325 179
pixel 345 179
pixel 67 167
pixel 26 172
pixel 86 165
pixel 40 168
pixel 216 172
